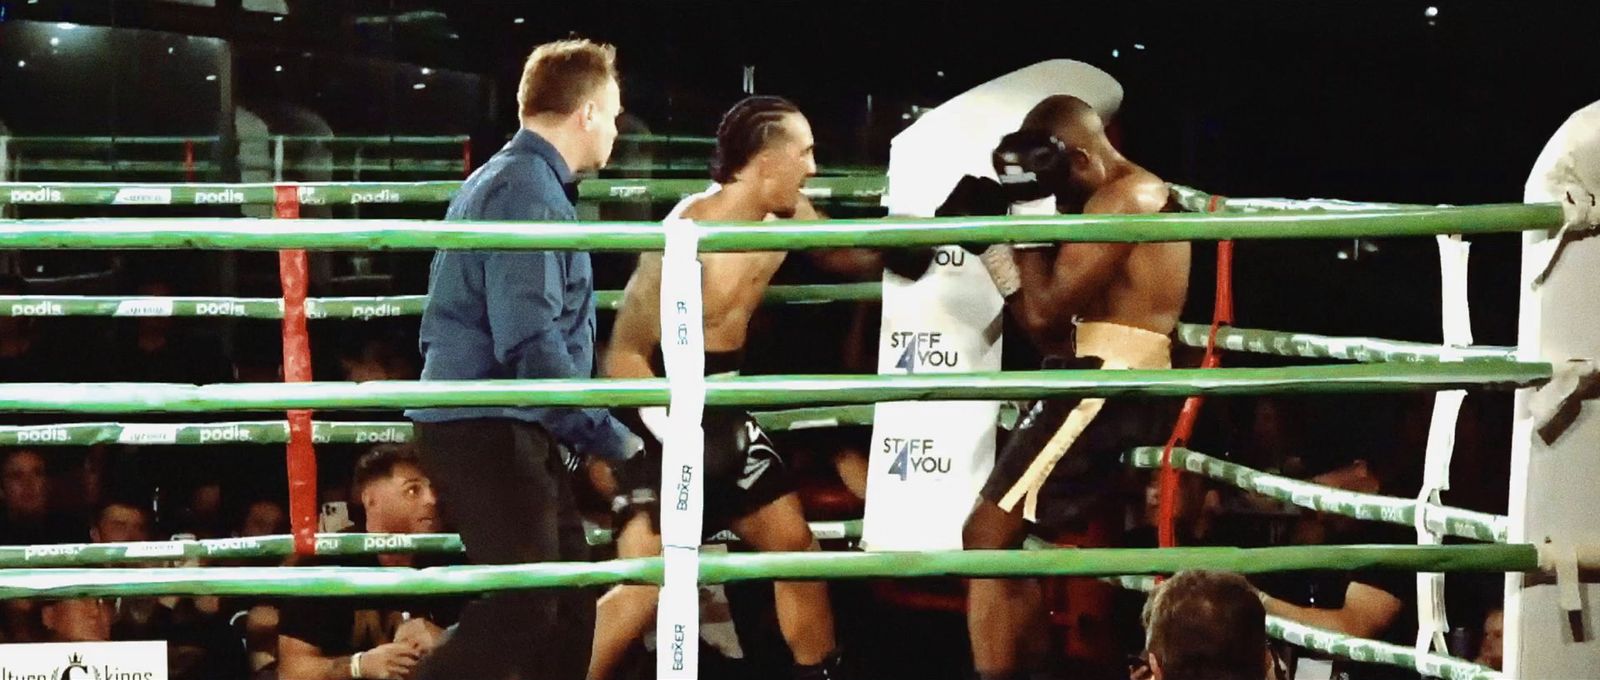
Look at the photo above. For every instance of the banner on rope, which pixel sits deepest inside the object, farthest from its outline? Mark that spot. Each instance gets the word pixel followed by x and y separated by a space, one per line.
pixel 864 187
pixel 861 188
pixel 357 308
pixel 312 194
pixel 178 551
pixel 325 432
pixel 174 552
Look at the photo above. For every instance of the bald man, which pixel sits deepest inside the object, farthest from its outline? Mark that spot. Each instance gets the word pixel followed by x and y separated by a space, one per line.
pixel 1083 305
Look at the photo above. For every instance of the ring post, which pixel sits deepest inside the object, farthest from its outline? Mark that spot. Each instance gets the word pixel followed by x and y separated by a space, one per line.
pixel 1549 482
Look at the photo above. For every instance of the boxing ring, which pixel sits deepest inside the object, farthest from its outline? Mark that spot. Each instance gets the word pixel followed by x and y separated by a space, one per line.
pixel 1509 544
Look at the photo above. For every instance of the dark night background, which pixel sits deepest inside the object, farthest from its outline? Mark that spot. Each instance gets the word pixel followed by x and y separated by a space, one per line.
pixel 1396 101
pixel 1356 100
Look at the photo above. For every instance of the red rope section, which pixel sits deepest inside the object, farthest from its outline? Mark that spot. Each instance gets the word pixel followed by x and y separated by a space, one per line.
pixel 302 458
pixel 188 160
pixel 1221 315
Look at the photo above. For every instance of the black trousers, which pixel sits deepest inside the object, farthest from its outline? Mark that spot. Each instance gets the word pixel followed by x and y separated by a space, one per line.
pixel 502 485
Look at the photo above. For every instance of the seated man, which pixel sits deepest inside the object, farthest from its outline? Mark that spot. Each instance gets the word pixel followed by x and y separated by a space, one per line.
pixel 200 643
pixel 344 638
pixel 1082 305
pixel 1364 604
pixel 1205 625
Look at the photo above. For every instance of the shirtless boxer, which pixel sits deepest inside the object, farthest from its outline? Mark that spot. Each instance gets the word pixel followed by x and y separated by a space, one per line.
pixel 764 156
pixel 1083 305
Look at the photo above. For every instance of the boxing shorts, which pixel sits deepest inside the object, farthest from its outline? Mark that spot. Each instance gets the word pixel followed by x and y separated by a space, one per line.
pixel 743 470
pixel 1064 456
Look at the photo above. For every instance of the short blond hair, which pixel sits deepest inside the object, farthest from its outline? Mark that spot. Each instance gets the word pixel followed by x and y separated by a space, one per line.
pixel 560 75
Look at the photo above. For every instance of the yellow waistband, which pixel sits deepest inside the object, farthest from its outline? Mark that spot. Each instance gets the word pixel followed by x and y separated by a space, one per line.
pixel 1123 347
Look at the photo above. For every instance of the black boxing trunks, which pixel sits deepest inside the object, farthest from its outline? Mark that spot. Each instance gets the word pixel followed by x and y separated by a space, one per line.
pixel 743 471
pixel 1064 454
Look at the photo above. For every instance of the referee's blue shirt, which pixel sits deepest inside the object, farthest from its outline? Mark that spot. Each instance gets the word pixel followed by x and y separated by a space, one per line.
pixel 516 314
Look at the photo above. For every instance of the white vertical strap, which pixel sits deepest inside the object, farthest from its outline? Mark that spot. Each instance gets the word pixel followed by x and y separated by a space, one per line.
pixel 683 454
pixel 1432 622
pixel 277 159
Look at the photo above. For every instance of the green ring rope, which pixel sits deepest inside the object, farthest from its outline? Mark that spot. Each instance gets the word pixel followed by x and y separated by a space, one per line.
pixel 857 188
pixel 1364 350
pixel 357 308
pixel 378 582
pixel 282 546
pixel 332 432
pixel 782 390
pixel 1453 521
pixel 1194 200
pixel 325 234
pixel 855 184
pixel 1279 343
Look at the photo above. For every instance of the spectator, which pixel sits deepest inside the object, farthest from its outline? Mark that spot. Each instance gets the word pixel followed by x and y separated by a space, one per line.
pixel 376 357
pixel 1205 625
pixel 23 357
pixel 1365 604
pixel 200 646
pixel 157 349
pixel 264 518
pixel 81 620
pixel 120 522
pixel 348 637
pixel 28 519
pixel 91 478
pixel 257 356
pixel 1491 646
pixel 257 618
pixel 203 515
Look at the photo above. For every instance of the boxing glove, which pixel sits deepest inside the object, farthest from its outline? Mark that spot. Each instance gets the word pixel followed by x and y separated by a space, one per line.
pixel 974 196
pixel 1031 165
pixel 910 263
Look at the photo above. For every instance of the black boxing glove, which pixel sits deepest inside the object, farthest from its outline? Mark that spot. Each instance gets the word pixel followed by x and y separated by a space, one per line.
pixel 1031 165
pixel 638 479
pixel 974 196
pixel 910 263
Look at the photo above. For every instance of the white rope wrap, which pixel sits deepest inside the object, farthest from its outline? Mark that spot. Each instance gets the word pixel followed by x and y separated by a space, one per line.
pixel 683 454
pixel 1001 261
pixel 1432 621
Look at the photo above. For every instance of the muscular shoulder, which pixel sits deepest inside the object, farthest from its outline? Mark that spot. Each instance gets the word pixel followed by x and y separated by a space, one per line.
pixel 696 209
pixel 1138 193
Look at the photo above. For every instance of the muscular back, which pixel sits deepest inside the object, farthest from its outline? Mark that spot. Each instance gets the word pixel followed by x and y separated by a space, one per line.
pixel 1150 287
pixel 732 284
pixel 1142 285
